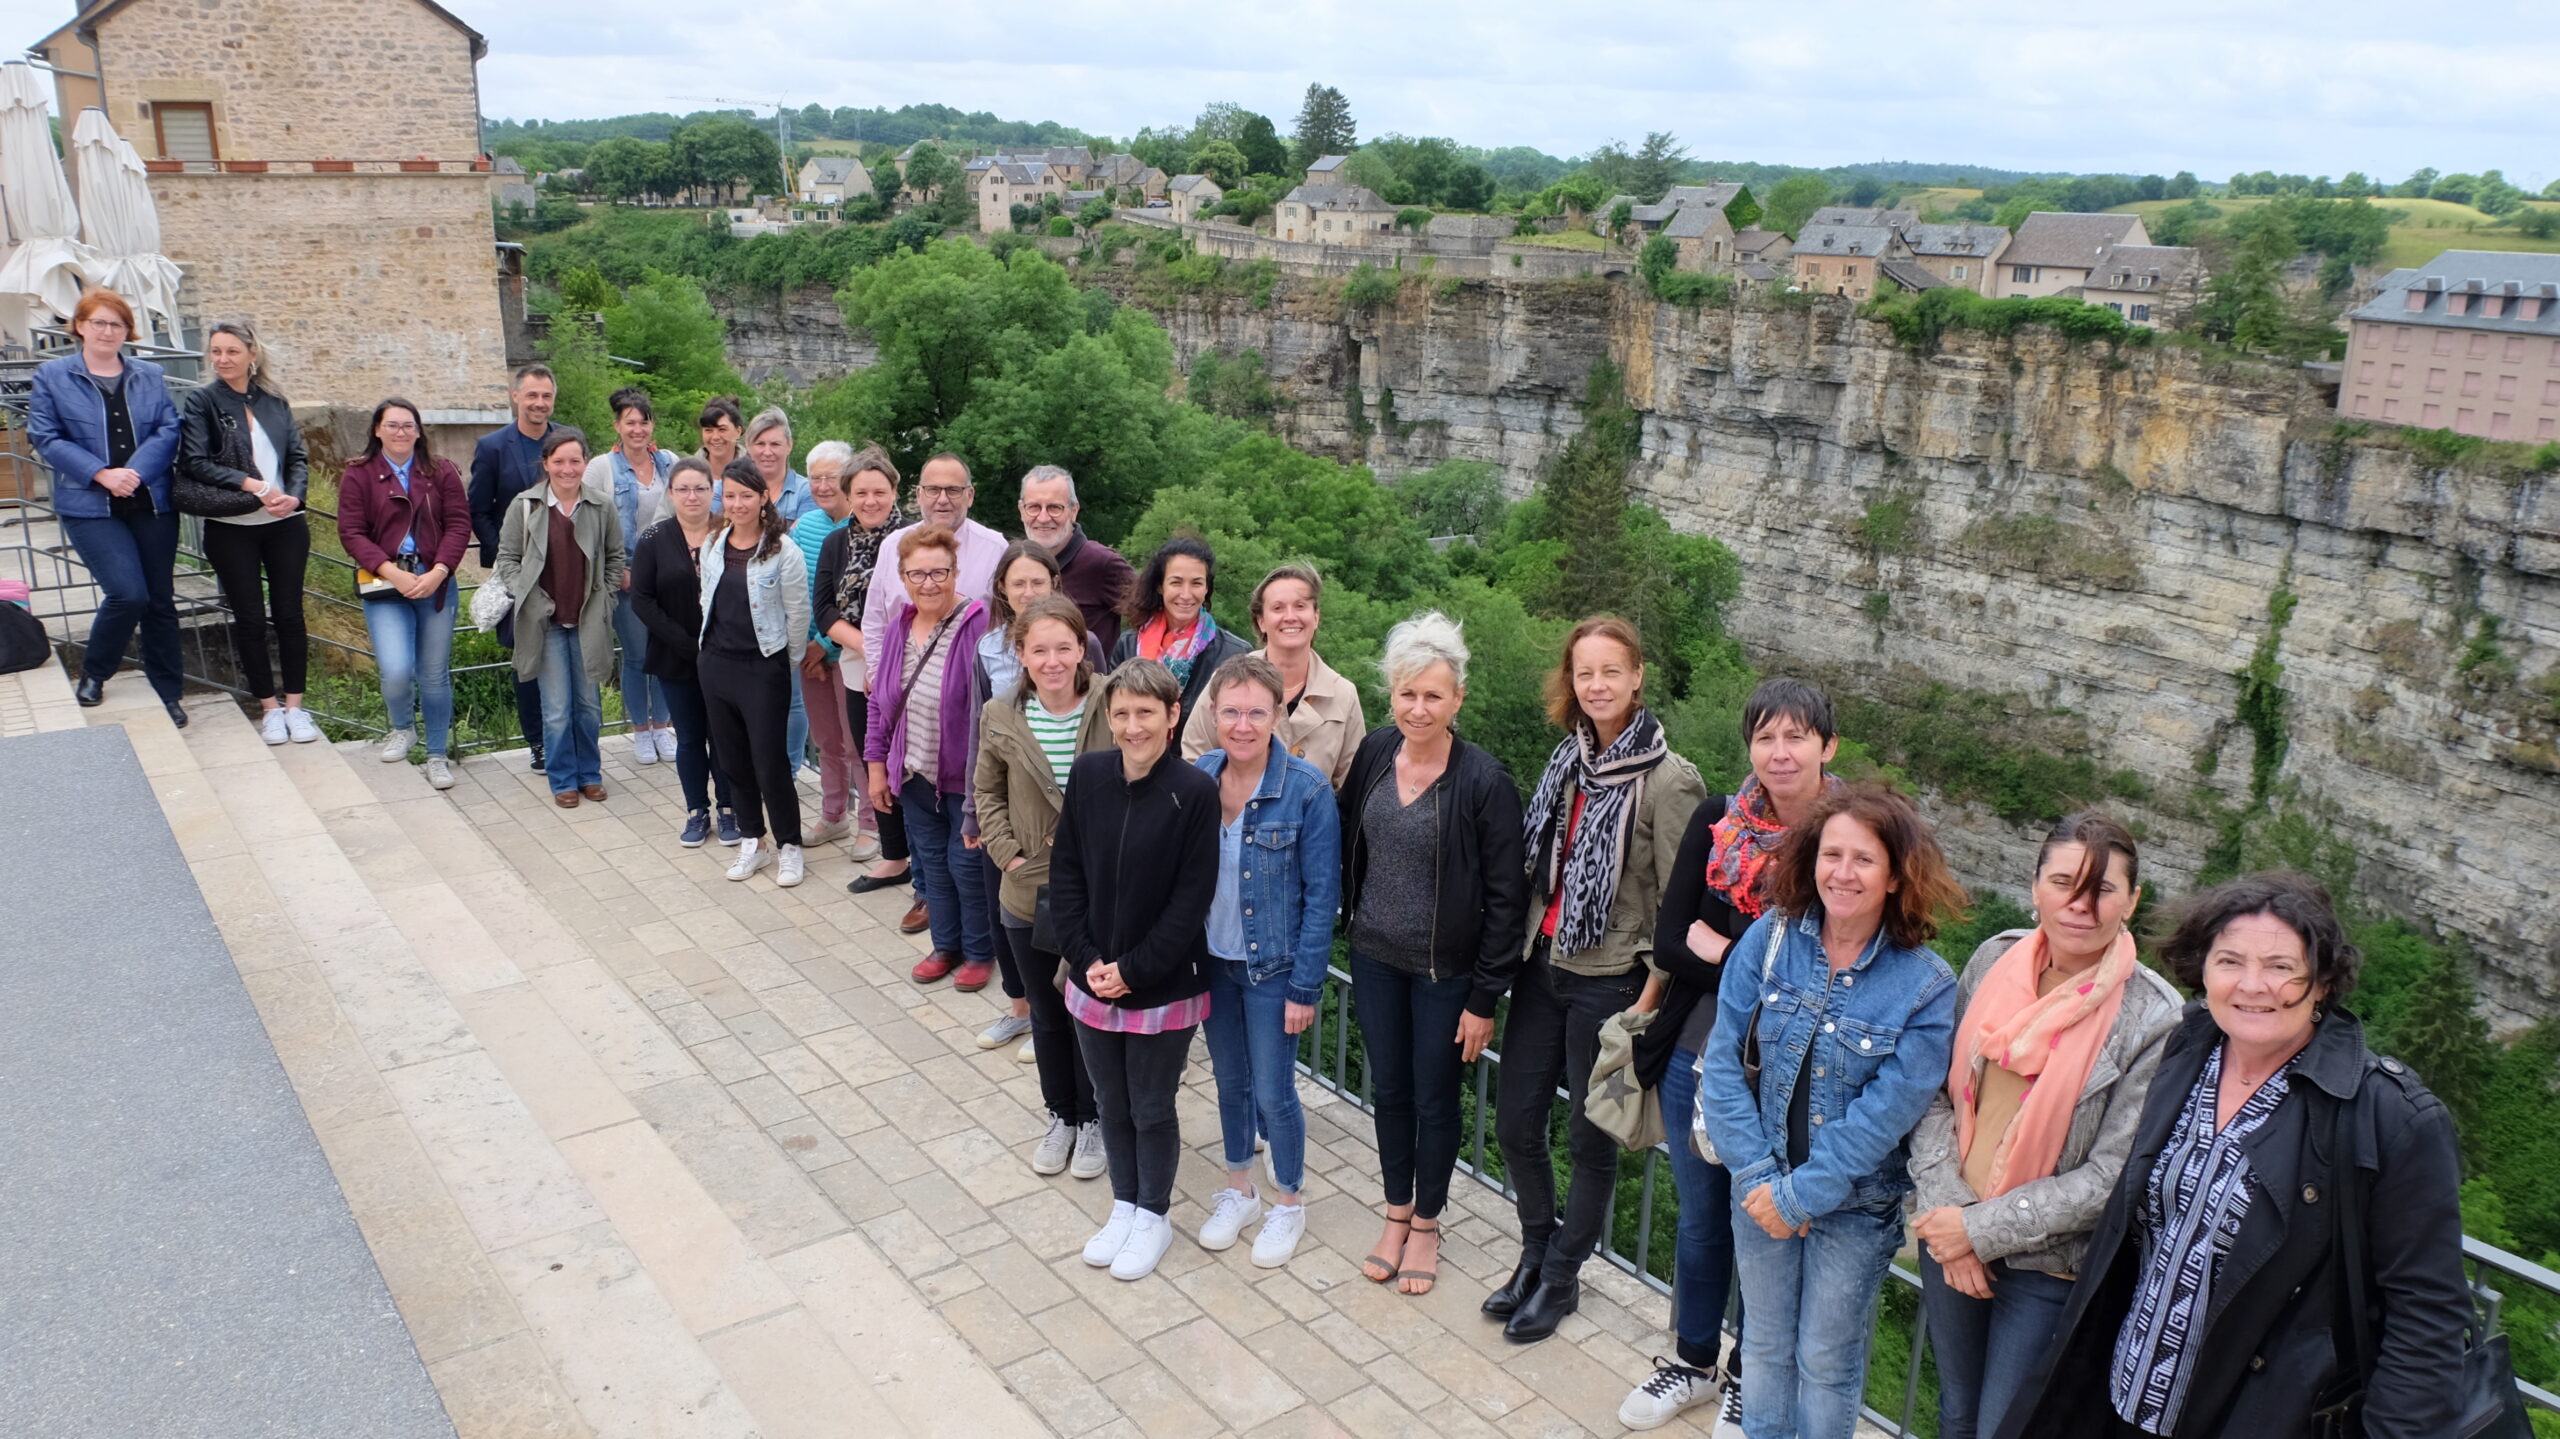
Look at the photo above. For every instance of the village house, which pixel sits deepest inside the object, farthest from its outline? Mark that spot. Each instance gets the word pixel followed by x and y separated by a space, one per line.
pixel 1191 194
pixel 1646 221
pixel 1841 259
pixel 1854 216
pixel 1326 169
pixel 1333 215
pixel 508 185
pixel 832 180
pixel 2150 285
pixel 2469 341
pixel 1129 175
pixel 346 218
pixel 1009 183
pixel 2053 253
pixel 1755 246
pixel 1958 255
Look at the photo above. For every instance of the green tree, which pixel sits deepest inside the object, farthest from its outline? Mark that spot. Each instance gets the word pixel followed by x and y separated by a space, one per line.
pixel 668 326
pixel 933 179
pixel 727 154
pixel 623 169
pixel 1470 187
pixel 2417 186
pixel 1455 497
pixel 2181 186
pixel 1325 126
pixel 1656 166
pixel 584 291
pixel 1260 142
pixel 1793 200
pixel 1221 161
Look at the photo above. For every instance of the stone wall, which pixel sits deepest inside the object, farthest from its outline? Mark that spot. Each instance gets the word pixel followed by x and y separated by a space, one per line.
pixel 362 285
pixel 800 337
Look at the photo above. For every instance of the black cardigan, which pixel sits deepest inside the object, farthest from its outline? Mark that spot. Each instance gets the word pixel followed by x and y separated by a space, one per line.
pixel 1689 981
pixel 666 597
pixel 1483 880
pixel 1132 874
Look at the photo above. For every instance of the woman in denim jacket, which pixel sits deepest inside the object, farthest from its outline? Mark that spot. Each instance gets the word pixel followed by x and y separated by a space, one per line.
pixel 1854 1019
pixel 1270 934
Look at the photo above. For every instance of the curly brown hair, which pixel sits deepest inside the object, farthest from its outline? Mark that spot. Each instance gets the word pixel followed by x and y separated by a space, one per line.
pixel 1925 890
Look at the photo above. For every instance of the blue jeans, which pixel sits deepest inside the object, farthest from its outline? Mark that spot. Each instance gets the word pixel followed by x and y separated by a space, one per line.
pixel 1702 1258
pixel 133 562
pixel 1256 1058
pixel 948 872
pixel 1987 1347
pixel 413 648
pixel 795 732
pixel 644 703
pixel 572 714
pixel 1812 1303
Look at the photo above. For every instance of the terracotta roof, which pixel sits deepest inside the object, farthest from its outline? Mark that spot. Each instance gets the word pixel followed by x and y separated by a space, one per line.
pixel 2068 241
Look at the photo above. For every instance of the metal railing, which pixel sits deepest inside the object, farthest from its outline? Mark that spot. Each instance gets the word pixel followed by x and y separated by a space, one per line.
pixel 1326 1051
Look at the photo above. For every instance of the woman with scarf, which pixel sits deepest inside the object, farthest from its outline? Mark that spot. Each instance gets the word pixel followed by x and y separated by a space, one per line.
pixel 845 565
pixel 2059 1030
pixel 1168 617
pixel 1600 845
pixel 1717 889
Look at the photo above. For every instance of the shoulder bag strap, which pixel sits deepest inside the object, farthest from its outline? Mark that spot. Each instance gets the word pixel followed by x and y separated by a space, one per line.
pixel 2347 1213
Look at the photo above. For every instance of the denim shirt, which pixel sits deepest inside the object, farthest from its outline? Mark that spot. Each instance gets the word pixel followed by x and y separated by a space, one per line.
pixel 1292 879
pixel 1881 1033
pixel 626 491
pixel 777 591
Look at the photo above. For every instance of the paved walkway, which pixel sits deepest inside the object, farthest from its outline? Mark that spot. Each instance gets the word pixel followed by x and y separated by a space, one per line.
pixel 641 1151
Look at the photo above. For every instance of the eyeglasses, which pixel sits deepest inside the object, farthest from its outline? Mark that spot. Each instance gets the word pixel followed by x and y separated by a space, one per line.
pixel 689 489
pixel 1257 716
pixel 925 578
pixel 1032 509
pixel 400 427
pixel 942 492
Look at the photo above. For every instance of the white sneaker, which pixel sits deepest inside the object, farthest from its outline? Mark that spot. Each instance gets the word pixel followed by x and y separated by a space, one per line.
pixel 1050 1155
pixel 1729 1414
pixel 1027 1054
pixel 1279 1237
pixel 395 747
pixel 1150 1235
pixel 271 727
pixel 1004 1031
pixel 299 726
pixel 1662 1397
pixel 1229 1213
pixel 824 832
pixel 751 857
pixel 644 746
pixel 439 772
pixel 792 868
pixel 666 742
pixel 1092 1161
pixel 1104 1247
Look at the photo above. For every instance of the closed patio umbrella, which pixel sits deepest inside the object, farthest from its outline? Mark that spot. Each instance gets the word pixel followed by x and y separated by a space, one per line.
pixel 122 224
pixel 46 261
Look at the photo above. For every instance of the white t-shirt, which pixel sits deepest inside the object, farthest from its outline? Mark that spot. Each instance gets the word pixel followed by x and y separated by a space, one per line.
pixel 270 468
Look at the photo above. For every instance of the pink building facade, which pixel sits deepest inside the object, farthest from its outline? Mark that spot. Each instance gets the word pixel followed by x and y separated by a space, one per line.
pixel 2469 342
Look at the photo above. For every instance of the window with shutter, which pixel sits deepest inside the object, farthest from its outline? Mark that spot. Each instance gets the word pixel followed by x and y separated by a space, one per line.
pixel 185 130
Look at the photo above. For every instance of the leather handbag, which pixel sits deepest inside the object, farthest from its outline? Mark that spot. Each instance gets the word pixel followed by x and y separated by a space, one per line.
pixel 1615 1103
pixel 1698 1140
pixel 217 502
pixel 2483 1379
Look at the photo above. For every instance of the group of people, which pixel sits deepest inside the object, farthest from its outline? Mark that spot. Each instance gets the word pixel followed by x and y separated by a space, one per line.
pixel 2136 1214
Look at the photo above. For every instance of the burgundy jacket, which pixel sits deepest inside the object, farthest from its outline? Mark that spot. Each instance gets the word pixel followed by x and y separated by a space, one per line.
pixel 374 514
pixel 1095 576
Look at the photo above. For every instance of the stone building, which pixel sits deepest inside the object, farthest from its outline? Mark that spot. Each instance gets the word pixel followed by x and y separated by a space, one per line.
pixel 1960 255
pixel 1333 214
pixel 1842 259
pixel 317 168
pixel 2053 253
pixel 2153 286
pixel 2469 341
pixel 1192 195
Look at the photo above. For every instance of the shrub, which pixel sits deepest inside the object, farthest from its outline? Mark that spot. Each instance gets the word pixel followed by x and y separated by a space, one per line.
pixel 1369 287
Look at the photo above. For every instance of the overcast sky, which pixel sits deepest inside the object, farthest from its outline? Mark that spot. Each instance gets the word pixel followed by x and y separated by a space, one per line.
pixel 2309 86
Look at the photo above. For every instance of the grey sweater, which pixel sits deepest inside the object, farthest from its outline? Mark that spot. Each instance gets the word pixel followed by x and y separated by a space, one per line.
pixel 2045 1224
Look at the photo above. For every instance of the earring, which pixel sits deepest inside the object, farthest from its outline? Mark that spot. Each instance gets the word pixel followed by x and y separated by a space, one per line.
pixel 2317 1011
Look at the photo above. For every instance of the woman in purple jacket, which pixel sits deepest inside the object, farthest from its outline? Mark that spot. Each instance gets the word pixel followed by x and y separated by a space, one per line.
pixel 919 736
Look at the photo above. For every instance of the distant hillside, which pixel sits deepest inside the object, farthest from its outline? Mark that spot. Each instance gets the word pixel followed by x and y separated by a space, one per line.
pixel 900 127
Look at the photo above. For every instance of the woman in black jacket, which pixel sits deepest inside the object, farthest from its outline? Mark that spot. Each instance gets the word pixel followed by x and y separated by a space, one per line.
pixel 239 434
pixel 1168 618
pixel 1714 895
pixel 666 596
pixel 1437 899
pixel 1130 882
pixel 2267 1110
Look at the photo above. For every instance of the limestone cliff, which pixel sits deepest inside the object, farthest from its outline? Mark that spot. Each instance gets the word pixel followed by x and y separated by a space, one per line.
pixel 2094 530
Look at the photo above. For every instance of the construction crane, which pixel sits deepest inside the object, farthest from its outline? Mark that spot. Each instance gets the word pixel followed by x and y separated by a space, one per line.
pixel 781 126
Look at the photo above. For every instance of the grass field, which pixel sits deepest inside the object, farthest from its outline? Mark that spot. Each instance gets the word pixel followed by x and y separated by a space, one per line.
pixel 1941 198
pixel 1568 240
pixel 2432 226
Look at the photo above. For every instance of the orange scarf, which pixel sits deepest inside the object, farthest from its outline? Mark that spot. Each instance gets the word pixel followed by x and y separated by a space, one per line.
pixel 2049 1040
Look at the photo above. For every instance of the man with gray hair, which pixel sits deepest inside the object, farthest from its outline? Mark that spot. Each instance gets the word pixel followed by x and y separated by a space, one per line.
pixel 1089 572
pixel 944 492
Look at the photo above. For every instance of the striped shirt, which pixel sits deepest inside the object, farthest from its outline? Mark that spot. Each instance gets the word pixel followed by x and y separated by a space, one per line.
pixel 1056 735
pixel 921 689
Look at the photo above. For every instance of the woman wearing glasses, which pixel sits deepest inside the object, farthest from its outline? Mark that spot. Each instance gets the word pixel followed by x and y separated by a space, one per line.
pixel 403 514
pixel 666 597
pixel 922 733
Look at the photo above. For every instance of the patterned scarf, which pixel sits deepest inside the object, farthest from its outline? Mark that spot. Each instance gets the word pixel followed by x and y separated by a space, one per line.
pixel 1176 654
pixel 1746 839
pixel 1611 784
pixel 2050 1040
pixel 861 557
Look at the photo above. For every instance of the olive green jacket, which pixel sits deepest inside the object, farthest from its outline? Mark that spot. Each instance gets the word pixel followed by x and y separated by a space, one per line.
pixel 1017 793
pixel 1672 793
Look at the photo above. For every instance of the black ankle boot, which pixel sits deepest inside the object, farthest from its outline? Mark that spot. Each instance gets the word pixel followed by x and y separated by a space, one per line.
pixel 1544 1309
pixel 1506 1301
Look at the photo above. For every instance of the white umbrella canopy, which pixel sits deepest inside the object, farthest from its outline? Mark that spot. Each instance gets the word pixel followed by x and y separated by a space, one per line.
pixel 47 262
pixel 123 225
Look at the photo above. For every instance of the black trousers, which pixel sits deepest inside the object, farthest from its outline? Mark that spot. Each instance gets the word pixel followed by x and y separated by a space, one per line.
pixel 892 822
pixel 748 702
pixel 695 773
pixel 1008 971
pixel 1409 1028
pixel 1065 1086
pixel 1135 1077
pixel 279 552
pixel 1553 1036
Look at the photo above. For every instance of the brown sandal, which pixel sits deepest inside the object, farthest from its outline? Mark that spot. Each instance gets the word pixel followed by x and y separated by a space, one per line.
pixel 1385 1272
pixel 1430 1277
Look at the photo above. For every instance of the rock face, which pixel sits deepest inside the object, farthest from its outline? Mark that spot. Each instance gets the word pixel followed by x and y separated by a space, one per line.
pixel 2088 529
pixel 800 337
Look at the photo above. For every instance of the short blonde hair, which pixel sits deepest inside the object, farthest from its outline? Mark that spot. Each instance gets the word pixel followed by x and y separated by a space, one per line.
pixel 1429 638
